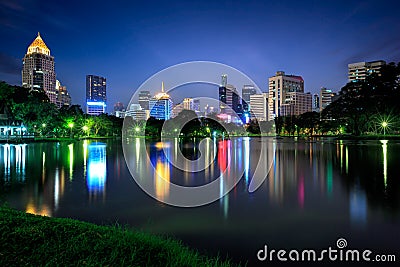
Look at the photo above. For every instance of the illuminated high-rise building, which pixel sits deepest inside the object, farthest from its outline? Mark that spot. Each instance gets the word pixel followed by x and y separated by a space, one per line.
pixel 296 103
pixel 325 98
pixel 259 106
pixel 144 98
pixel 96 97
pixel 360 70
pixel 278 88
pixel 38 69
pixel 63 98
pixel 247 91
pixel 161 105
pixel 229 98
pixel 188 103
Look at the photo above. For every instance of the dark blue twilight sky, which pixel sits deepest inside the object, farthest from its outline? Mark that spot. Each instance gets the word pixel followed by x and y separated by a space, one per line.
pixel 128 41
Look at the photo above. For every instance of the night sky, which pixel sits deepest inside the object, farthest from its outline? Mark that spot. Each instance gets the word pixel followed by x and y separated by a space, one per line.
pixel 129 41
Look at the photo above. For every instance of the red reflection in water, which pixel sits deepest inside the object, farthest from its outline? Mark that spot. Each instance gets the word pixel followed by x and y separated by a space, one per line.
pixel 300 192
pixel 222 155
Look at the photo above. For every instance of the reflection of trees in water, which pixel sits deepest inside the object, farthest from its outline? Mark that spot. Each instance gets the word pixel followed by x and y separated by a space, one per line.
pixel 366 172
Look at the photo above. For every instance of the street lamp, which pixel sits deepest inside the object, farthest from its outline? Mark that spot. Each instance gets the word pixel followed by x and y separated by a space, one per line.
pixel 85 129
pixel 384 125
pixel 43 126
pixel 71 125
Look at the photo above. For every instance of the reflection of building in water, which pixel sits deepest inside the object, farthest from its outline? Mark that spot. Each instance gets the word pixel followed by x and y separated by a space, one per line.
pixel 279 173
pixel 162 172
pixel 223 162
pixel 49 189
pixel 96 168
pixel 162 178
pixel 14 159
pixel 358 206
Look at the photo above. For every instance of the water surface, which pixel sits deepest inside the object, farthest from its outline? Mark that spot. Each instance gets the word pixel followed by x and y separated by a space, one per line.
pixel 317 191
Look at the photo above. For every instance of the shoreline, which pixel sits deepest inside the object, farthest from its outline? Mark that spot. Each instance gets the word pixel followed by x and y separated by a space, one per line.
pixel 38 240
pixel 335 137
pixel 52 140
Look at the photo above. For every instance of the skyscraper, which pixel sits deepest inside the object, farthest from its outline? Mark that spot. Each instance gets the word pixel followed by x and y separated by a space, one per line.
pixel 144 98
pixel 38 69
pixel 188 103
pixel 278 86
pixel 247 91
pixel 325 98
pixel 315 104
pixel 229 98
pixel 360 70
pixel 259 106
pixel 63 98
pixel 161 105
pixel 296 103
pixel 196 105
pixel 96 97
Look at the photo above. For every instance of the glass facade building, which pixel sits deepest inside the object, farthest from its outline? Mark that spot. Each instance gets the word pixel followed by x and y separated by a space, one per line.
pixel 96 96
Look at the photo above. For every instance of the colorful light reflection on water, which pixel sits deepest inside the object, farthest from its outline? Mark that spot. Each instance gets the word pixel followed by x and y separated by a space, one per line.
pixel 323 189
pixel 96 167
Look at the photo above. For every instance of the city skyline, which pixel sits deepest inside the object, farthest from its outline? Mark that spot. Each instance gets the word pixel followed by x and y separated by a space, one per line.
pixel 149 39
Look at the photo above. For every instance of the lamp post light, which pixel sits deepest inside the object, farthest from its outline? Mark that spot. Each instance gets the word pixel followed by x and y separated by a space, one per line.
pixel 71 125
pixel 85 129
pixel 43 126
pixel 384 125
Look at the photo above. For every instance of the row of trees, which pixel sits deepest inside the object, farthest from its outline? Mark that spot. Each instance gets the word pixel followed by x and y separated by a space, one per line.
pixel 43 118
pixel 186 124
pixel 367 106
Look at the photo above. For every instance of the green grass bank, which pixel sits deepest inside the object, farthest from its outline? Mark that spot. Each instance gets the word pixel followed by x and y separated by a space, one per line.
pixel 31 240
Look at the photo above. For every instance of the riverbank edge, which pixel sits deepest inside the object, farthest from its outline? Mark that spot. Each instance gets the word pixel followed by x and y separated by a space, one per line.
pixel 27 239
pixel 52 140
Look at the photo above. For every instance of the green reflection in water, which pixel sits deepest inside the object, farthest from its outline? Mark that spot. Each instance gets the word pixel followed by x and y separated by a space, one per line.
pixel 329 178
pixel 384 151
pixel 71 159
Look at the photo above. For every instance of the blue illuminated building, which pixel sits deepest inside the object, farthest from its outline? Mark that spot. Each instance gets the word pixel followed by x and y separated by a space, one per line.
pixel 96 97
pixel 161 106
pixel 96 167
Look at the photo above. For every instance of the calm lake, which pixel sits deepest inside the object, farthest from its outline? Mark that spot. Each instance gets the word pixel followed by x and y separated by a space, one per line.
pixel 317 190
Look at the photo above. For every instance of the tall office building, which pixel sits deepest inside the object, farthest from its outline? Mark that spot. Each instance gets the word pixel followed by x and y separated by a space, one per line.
pixel 176 109
pixel 278 87
pixel 188 103
pixel 144 98
pixel 247 91
pixel 196 105
pixel 315 106
pixel 325 98
pixel 38 69
pixel 62 98
pixel 296 103
pixel 96 97
pixel 161 105
pixel 137 113
pixel 229 98
pixel 259 106
pixel 224 80
pixel 360 70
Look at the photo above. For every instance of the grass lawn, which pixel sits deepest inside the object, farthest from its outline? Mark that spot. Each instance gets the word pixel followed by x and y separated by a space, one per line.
pixel 31 240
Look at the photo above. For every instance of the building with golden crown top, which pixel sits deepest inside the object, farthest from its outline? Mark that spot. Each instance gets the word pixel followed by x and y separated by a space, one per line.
pixel 161 105
pixel 38 69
